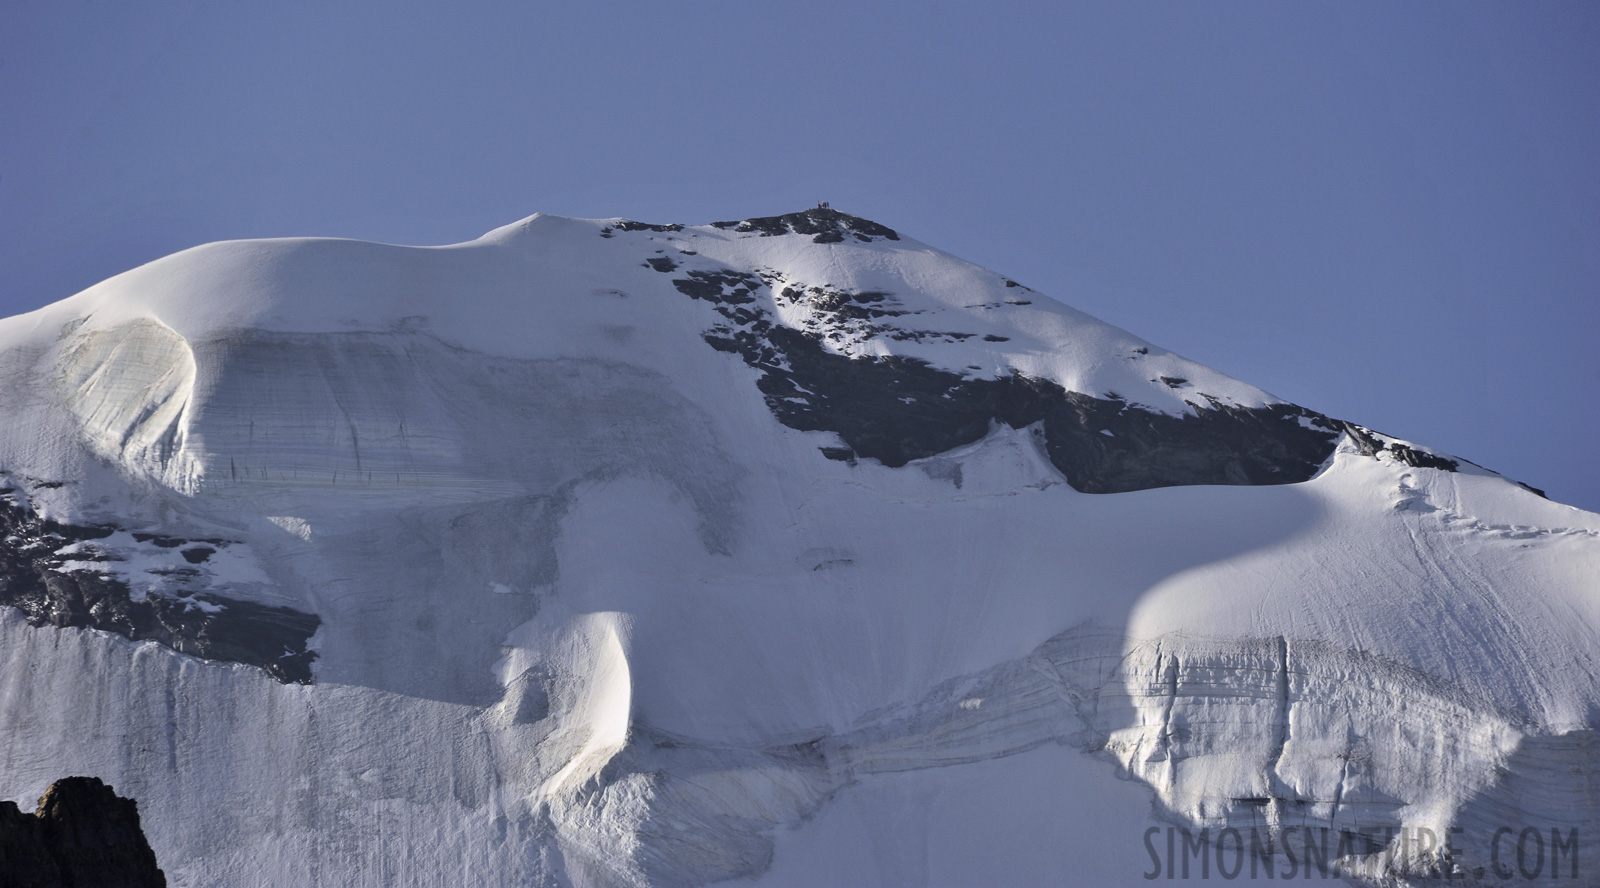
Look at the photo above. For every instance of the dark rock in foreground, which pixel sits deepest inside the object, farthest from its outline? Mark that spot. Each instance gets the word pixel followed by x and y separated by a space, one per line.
pixel 83 836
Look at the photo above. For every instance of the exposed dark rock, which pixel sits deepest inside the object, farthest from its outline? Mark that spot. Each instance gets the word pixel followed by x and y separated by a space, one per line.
pixel 827 226
pixel 25 859
pixel 82 836
pixel 661 263
pixel 630 225
pixel 720 287
pixel 840 304
pixel 204 624
pixel 198 554
pixel 1370 444
pixel 848 319
pixel 897 409
pixel 162 541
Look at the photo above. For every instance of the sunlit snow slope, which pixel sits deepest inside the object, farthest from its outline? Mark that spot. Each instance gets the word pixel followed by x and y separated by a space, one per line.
pixel 789 551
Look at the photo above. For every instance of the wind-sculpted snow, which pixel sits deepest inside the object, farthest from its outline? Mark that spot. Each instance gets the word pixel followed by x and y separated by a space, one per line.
pixel 1257 734
pixel 479 456
pixel 484 452
pixel 403 410
pixel 130 387
pixel 622 554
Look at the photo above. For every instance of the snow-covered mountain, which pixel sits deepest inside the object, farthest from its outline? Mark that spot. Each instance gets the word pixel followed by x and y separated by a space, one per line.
pixel 788 551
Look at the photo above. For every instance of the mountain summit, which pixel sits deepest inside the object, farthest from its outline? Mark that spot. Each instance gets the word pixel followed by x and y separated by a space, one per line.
pixel 780 550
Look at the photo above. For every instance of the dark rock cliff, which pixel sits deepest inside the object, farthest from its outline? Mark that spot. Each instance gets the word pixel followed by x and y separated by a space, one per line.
pixel 36 579
pixel 83 836
pixel 897 409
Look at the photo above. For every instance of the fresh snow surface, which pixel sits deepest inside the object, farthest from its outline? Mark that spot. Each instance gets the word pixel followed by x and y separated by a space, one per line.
pixel 591 616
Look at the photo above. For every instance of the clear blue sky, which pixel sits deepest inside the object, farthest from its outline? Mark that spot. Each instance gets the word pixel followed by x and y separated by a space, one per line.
pixel 1389 212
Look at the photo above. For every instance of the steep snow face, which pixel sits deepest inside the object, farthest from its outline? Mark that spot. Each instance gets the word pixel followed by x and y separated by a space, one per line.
pixel 603 553
pixel 130 388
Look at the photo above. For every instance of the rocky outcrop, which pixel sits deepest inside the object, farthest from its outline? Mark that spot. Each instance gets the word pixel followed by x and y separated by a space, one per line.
pixel 895 409
pixel 46 571
pixel 83 836
pixel 826 226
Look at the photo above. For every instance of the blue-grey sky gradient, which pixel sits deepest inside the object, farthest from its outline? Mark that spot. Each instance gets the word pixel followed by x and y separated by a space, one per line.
pixel 1389 212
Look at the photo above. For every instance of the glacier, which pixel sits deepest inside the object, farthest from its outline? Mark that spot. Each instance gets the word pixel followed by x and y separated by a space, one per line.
pixel 784 551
